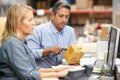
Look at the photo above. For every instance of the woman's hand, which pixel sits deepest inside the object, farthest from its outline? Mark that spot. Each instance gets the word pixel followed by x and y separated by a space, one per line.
pixel 58 69
pixel 63 73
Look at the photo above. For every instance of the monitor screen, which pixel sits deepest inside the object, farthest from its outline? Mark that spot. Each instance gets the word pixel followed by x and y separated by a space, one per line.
pixel 112 47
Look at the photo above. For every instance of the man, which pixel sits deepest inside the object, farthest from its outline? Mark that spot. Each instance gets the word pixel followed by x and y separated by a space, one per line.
pixel 48 40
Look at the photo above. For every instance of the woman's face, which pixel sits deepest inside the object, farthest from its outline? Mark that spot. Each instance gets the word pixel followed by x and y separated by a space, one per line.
pixel 27 24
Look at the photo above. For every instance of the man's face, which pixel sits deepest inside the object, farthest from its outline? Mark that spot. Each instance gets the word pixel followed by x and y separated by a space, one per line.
pixel 61 18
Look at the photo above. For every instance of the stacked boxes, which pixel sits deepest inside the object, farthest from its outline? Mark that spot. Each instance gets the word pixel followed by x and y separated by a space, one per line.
pixel 84 4
pixel 118 19
pixel 79 19
pixel 116 13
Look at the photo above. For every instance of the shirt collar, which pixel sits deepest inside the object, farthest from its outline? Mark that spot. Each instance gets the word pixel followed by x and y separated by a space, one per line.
pixel 54 30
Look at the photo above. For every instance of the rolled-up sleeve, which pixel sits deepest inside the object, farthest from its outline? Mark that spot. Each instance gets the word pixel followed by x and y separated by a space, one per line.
pixel 35 74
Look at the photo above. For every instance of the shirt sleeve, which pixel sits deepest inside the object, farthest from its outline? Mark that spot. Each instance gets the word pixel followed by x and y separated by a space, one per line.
pixel 33 42
pixel 22 63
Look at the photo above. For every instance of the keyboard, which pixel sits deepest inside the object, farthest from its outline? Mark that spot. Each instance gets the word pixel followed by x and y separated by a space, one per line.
pixel 97 70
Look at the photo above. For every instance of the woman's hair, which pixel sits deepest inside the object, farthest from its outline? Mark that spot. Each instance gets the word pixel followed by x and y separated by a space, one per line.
pixel 14 16
pixel 60 4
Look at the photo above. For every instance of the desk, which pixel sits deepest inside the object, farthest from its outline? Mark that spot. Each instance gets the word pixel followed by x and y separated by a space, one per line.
pixel 90 52
pixel 117 65
pixel 95 77
pixel 92 77
pixel 50 79
pixel 84 77
pixel 101 78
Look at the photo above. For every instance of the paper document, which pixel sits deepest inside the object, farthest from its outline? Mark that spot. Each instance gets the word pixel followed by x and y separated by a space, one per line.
pixel 87 61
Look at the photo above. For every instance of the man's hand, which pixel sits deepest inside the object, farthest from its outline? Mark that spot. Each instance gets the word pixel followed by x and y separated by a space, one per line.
pixel 56 50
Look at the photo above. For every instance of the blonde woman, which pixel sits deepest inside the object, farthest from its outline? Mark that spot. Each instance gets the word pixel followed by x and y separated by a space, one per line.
pixel 16 59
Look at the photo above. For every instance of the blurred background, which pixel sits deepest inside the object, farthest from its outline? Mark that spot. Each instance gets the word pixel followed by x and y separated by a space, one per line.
pixel 91 19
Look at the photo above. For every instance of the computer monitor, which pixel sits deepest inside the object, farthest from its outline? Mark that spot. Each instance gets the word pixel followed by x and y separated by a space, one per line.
pixel 113 41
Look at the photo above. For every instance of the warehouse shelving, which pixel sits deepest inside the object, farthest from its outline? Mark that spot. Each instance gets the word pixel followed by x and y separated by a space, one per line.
pixel 47 12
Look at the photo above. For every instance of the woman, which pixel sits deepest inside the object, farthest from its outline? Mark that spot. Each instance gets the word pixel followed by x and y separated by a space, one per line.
pixel 16 60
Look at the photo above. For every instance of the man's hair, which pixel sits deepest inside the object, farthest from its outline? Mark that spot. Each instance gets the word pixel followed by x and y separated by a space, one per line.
pixel 60 4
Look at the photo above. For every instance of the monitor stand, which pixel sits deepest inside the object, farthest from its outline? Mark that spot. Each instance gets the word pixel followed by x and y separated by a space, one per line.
pixel 107 71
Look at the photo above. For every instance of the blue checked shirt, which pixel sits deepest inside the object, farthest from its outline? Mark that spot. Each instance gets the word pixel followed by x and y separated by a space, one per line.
pixel 45 36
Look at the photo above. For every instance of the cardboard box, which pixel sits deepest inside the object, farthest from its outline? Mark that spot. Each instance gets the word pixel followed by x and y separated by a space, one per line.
pixel 118 20
pixel 73 54
pixel 104 33
pixel 83 4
